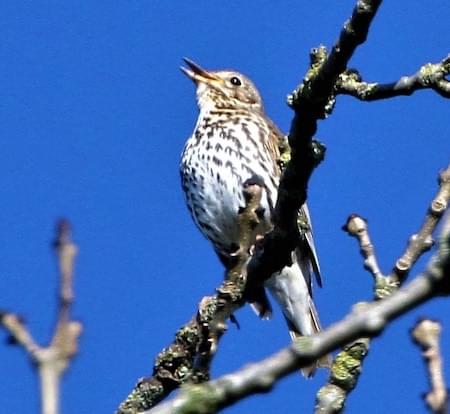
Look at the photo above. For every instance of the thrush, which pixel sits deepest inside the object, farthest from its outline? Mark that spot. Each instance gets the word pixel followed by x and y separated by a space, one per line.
pixel 234 141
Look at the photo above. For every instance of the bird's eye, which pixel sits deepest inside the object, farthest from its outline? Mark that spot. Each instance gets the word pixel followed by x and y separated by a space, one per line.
pixel 235 81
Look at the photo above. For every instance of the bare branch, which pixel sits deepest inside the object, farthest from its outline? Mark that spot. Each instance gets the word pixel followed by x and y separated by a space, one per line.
pixel 429 76
pixel 66 333
pixel 422 241
pixel 52 361
pixel 369 321
pixel 189 357
pixel 232 290
pixel 356 226
pixel 426 334
pixel 19 332
pixel 311 101
pixel 347 365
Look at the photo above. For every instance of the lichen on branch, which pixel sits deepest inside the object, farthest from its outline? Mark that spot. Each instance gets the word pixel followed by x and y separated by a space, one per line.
pixel 365 321
pixel 189 356
pixel 429 76
pixel 331 398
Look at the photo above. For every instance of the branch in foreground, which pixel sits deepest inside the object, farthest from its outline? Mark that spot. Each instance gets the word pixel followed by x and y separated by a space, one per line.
pixel 53 360
pixel 426 334
pixel 231 292
pixel 429 76
pixel 423 240
pixel 311 101
pixel 210 397
pixel 189 357
pixel 347 365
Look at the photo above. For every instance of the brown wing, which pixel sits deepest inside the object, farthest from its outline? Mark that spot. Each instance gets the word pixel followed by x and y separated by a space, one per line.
pixel 276 142
pixel 310 247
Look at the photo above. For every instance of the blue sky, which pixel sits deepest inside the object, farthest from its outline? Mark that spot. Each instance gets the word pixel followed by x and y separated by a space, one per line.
pixel 93 116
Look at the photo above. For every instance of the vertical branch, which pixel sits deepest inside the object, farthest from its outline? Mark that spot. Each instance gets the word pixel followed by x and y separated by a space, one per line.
pixel 49 377
pixel 65 251
pixel 52 361
pixel 426 335
pixel 67 331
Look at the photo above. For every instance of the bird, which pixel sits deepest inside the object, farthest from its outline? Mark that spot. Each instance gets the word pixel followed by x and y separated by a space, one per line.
pixel 235 141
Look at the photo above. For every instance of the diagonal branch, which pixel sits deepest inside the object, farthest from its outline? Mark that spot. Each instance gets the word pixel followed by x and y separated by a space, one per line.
pixel 429 76
pixel 370 321
pixel 189 356
pixel 231 291
pixel 421 242
pixel 18 331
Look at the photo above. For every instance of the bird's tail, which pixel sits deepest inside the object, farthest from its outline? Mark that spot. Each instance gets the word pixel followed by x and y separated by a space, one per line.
pixel 292 290
pixel 323 362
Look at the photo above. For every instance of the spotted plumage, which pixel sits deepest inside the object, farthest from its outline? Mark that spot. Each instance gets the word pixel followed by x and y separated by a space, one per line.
pixel 233 141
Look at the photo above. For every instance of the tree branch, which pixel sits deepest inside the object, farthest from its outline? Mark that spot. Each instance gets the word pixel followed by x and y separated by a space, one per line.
pixel 52 361
pixel 347 365
pixel 189 357
pixel 231 292
pixel 310 102
pixel 429 76
pixel 422 241
pixel 356 226
pixel 368 321
pixel 426 335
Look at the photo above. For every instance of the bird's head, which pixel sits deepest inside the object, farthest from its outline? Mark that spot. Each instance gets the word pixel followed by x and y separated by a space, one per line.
pixel 223 89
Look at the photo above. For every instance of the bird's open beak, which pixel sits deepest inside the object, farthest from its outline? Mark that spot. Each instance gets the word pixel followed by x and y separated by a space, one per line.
pixel 197 73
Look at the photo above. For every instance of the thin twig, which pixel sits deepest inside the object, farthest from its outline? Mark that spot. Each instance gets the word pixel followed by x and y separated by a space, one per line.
pixel 19 333
pixel 356 226
pixel 426 334
pixel 53 360
pixel 347 365
pixel 422 241
pixel 429 76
